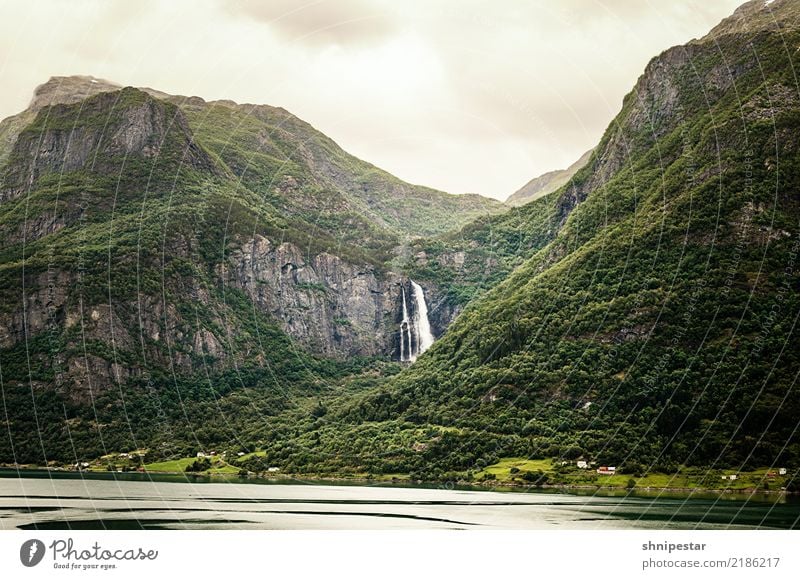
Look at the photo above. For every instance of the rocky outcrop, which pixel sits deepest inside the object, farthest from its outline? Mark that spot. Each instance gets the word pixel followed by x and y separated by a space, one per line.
pixel 331 306
pixel 97 142
pixel 68 90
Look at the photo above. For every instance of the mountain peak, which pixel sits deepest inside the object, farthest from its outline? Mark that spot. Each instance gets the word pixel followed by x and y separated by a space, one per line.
pixel 757 15
pixel 69 89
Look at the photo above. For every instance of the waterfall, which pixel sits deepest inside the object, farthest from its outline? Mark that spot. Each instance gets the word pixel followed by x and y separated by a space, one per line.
pixel 415 333
pixel 424 335
pixel 405 334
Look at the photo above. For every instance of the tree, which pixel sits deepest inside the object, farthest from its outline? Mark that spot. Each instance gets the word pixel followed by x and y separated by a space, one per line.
pixel 199 465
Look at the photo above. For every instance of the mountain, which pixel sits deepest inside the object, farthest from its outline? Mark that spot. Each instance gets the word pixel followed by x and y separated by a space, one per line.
pixel 654 323
pixel 178 275
pixel 547 182
pixel 152 240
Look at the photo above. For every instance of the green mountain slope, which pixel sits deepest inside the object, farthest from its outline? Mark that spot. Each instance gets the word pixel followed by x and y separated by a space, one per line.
pixel 658 326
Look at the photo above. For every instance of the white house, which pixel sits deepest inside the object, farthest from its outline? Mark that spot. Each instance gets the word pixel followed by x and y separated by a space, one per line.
pixel 201 454
pixel 582 464
pixel 273 469
pixel 781 471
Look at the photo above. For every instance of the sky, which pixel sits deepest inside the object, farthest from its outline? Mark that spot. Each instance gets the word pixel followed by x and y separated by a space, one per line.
pixel 466 96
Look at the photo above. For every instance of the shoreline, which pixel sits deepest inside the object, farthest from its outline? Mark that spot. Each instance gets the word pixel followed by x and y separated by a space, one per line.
pixel 395 482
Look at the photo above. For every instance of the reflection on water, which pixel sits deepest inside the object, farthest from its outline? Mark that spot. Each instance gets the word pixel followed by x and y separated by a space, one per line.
pixel 51 500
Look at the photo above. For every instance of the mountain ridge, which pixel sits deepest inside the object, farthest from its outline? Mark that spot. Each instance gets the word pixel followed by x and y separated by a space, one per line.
pixel 548 182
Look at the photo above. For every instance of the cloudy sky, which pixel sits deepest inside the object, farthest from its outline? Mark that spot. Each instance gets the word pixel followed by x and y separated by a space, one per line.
pixel 462 95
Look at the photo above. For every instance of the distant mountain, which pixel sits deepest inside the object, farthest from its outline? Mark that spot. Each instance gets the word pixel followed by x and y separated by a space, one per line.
pixel 548 182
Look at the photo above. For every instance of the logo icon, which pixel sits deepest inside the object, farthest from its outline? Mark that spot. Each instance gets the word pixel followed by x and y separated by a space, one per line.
pixel 32 552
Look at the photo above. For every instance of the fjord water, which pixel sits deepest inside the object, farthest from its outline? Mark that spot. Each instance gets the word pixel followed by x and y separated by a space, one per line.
pixel 69 501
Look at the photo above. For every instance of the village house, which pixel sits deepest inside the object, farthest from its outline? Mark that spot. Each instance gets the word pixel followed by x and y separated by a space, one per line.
pixel 607 470
pixel 582 464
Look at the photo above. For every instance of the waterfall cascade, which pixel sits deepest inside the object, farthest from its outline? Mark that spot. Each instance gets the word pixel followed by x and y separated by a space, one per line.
pixel 424 336
pixel 415 331
pixel 405 333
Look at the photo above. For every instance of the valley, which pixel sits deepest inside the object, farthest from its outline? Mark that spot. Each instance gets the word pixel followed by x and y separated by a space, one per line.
pixel 179 276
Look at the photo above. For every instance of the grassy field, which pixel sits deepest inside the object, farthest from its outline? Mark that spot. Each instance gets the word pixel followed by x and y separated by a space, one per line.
pixel 502 470
pixel 178 465
pixel 250 455
pixel 685 478
pixel 219 466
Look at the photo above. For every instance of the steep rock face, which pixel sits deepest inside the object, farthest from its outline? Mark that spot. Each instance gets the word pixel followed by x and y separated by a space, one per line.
pixel 57 90
pixel 68 90
pixel 333 307
pixel 104 132
pixel 43 309
pixel 681 82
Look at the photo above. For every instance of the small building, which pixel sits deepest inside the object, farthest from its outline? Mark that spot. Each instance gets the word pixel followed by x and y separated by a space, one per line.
pixel 582 464
pixel 729 477
pixel 273 469
pixel 239 454
pixel 782 471
pixel 201 454
pixel 607 470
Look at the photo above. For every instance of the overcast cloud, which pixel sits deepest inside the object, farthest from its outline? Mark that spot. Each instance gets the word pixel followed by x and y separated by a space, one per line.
pixel 461 95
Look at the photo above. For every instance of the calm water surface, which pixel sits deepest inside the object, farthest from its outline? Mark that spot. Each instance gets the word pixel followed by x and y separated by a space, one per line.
pixel 96 501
